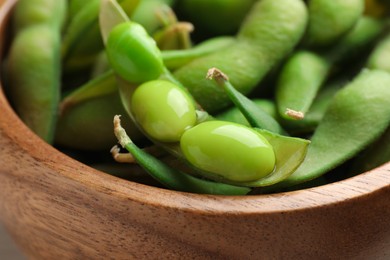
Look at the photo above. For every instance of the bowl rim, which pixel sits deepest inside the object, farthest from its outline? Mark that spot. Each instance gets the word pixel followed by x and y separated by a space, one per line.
pixel 353 188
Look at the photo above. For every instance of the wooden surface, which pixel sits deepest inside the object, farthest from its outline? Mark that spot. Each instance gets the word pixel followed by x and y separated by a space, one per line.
pixel 58 208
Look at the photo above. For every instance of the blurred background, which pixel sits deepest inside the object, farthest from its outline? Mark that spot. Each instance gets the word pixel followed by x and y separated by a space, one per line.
pixel 8 249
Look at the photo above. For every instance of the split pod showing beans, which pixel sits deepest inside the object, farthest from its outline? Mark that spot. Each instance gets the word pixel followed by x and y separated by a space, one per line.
pixel 276 57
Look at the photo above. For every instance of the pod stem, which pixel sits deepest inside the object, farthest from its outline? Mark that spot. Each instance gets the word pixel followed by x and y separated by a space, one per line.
pixel 256 116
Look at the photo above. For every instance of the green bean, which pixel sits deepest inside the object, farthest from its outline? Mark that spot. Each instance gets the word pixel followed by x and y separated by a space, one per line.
pixel 357 115
pixel 170 177
pixel 235 152
pixel 168 113
pixel 30 12
pixel 329 20
pixel 269 33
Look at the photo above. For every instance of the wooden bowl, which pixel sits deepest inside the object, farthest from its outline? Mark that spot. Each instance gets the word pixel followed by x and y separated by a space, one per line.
pixel 57 208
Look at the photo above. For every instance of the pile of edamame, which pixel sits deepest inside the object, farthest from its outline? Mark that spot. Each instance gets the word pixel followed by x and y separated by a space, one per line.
pixel 218 97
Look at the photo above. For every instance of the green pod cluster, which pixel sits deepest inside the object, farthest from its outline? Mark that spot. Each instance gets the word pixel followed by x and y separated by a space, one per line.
pixel 305 72
pixel 330 20
pixel 356 116
pixel 270 31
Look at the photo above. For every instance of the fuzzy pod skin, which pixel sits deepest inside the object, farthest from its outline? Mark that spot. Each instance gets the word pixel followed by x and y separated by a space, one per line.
pixel 163 110
pixel 133 54
pixel 356 117
pixel 270 31
pixel 30 12
pixel 233 151
pixel 380 56
pixel 34 69
pixel 329 20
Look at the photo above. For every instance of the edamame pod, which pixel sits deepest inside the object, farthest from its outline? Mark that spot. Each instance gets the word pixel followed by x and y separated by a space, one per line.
pixel 217 17
pixel 31 12
pixel 269 33
pixel 75 124
pixel 300 79
pixel 380 56
pixel 329 20
pixel 304 73
pixel 170 177
pixel 34 69
pixel 375 155
pixel 357 115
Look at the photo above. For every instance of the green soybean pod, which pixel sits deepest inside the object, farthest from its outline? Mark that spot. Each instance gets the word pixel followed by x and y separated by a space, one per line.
pixel 329 20
pixel 171 177
pixel 299 81
pixel 380 56
pixel 377 154
pixel 30 12
pixel 356 117
pixel 270 31
pixel 217 17
pixel 75 123
pixel 34 69
pixel 304 72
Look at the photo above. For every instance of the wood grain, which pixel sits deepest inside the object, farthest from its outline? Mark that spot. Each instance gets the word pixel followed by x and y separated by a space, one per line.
pixel 58 208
